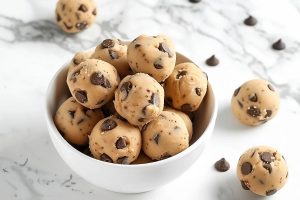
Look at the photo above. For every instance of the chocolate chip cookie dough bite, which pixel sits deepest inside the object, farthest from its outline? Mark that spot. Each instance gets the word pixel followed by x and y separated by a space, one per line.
pixel 114 51
pixel 75 122
pixel 165 136
pixel 139 98
pixel 262 170
pixel 113 140
pixel 73 16
pixel 255 102
pixel 186 87
pixel 154 55
pixel 78 58
pixel 93 83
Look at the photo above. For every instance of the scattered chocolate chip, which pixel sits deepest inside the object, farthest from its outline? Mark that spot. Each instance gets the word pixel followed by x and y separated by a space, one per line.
pixel 253 111
pixel 107 43
pixel 104 157
pixel 245 185
pixel 83 8
pixel 80 121
pixel 268 114
pixel 240 104
pixel 212 61
pixel 253 153
pixel 180 74
pixel 121 143
pixel 261 181
pixel 67 26
pixel 63 7
pixel 169 101
pixel 72 113
pixel 156 138
pixel 141 119
pixel 94 12
pixel 250 21
pixel 97 78
pixel 236 92
pixel 157 64
pixel 266 157
pixel 123 160
pixel 271 192
pixel 81 25
pixel 268 167
pixel 164 48
pixel 113 54
pixel 253 97
pixel 222 165
pixel 246 168
pixel 76 61
pixel 278 45
pixel 125 89
pixel 186 107
pixel 198 91
pixel 137 46
pixel 144 110
pixel 74 76
pixel 108 125
pixel 154 99
pixel 271 87
pixel 81 96
pixel 58 17
pixel 194 1
pixel 165 156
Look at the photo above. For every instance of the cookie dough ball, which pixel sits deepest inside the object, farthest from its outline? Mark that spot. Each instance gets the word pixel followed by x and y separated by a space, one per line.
pixel 186 87
pixel 113 140
pixel 155 56
pixel 165 136
pixel 73 16
pixel 255 102
pixel 93 83
pixel 139 98
pixel 78 58
pixel 114 51
pixel 76 122
pixel 262 170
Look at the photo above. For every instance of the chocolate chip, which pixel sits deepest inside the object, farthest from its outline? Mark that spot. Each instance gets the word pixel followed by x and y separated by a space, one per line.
pixel 157 64
pixel 271 87
pixel 268 167
pixel 250 21
pixel 154 99
pixel 164 48
pixel 141 119
pixel 253 153
pixel 67 26
pixel 194 1
pixel 253 111
pixel 108 125
pixel 261 181
pixel 76 61
pixel 121 143
pixel 144 110
pixel 268 114
pixel 245 185
pixel 97 78
pixel 180 74
pixel 113 54
pixel 81 96
pixel 253 97
pixel 169 101
pixel 74 76
pixel 137 46
pixel 72 113
pixel 83 8
pixel 81 25
pixel 156 138
pixel 246 168
pixel 107 43
pixel 240 104
pixel 236 92
pixel 222 165
pixel 212 61
pixel 198 91
pixel 123 160
pixel 58 17
pixel 94 12
pixel 266 157
pixel 278 45
pixel 186 107
pixel 104 157
pixel 125 89
pixel 271 192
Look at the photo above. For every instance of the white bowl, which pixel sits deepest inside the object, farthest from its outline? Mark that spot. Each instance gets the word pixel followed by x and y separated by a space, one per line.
pixel 129 178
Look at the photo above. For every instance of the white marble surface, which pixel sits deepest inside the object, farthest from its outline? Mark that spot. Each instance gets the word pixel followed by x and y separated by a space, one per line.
pixel 32 49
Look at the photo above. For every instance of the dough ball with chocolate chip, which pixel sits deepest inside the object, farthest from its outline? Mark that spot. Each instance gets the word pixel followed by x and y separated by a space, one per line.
pixel 186 87
pixel 114 51
pixel 155 56
pixel 78 58
pixel 262 170
pixel 139 98
pixel 75 122
pixel 93 83
pixel 73 16
pixel 116 141
pixel 165 136
pixel 255 102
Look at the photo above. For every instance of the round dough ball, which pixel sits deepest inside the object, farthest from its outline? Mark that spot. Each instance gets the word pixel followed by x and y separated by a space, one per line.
pixel 73 16
pixel 139 98
pixel 76 122
pixel 114 51
pixel 187 121
pixel 155 56
pixel 186 87
pixel 93 83
pixel 255 102
pixel 165 136
pixel 113 140
pixel 262 170
pixel 78 58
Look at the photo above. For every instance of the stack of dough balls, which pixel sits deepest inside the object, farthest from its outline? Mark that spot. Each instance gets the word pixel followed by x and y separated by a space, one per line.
pixel 117 104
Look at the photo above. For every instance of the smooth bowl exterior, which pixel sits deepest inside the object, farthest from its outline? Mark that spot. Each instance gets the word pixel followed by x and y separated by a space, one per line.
pixel 129 178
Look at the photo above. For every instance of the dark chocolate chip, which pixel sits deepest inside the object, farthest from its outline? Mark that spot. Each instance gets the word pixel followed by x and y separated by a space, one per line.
pixel 157 64
pixel 278 45
pixel 156 138
pixel 194 1
pixel 169 101
pixel 245 185
pixel 271 192
pixel 94 12
pixel 154 99
pixel 108 125
pixel 137 46
pixel 186 107
pixel 212 61
pixel 83 8
pixel 266 157
pixel 81 25
pixel 164 48
pixel 81 96
pixel 97 78
pixel 107 43
pixel 113 54
pixel 121 143
pixel 72 113
pixel 104 157
pixel 253 97
pixel 253 111
pixel 268 114
pixel 250 21
pixel 236 92
pixel 67 26
pixel 240 104
pixel 246 168
pixel 144 110
pixel 180 74
pixel 271 87
pixel 222 165
pixel 125 89
pixel 74 76
pixel 253 153
pixel 268 167
pixel 198 91
pixel 58 17
pixel 123 160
